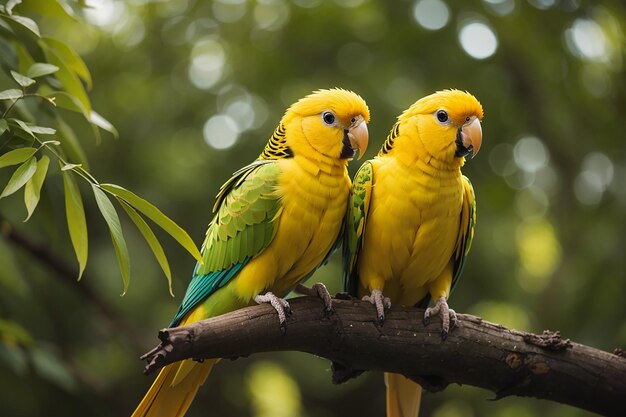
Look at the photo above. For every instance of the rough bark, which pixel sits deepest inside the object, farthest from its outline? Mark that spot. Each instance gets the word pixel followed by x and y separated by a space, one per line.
pixel 476 352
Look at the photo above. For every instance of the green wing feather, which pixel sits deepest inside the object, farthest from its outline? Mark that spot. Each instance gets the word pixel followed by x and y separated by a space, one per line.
pixel 354 224
pixel 243 225
pixel 466 231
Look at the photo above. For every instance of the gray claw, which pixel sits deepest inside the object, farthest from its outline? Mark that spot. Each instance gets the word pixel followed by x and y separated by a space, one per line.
pixel 382 303
pixel 448 316
pixel 318 290
pixel 280 305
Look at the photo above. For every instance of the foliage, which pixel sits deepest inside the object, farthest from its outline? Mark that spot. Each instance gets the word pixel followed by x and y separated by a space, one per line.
pixel 195 88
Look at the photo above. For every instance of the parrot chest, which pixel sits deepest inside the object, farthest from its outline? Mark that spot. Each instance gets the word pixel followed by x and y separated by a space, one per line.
pixel 414 221
pixel 313 209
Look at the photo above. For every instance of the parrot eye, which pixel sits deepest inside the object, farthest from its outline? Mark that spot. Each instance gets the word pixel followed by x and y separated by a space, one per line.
pixel 442 116
pixel 328 118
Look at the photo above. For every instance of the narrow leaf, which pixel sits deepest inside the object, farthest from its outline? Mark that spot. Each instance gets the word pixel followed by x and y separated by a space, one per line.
pixel 71 144
pixel 154 214
pixel 32 191
pixel 67 77
pixel 21 126
pixel 22 79
pixel 27 23
pixel 10 5
pixel 39 69
pixel 76 223
pixel 119 243
pixel 16 156
pixel 102 123
pixel 24 58
pixel 42 130
pixel 11 94
pixel 68 167
pixel 70 58
pixel 20 177
pixel 152 240
pixel 4 126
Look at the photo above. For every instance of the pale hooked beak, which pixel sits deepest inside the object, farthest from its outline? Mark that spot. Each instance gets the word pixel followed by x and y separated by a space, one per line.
pixel 471 137
pixel 359 138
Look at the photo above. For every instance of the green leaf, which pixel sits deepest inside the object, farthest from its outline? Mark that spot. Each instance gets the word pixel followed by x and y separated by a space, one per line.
pixel 42 130
pixel 4 126
pixel 14 333
pixel 16 156
pixel 110 216
pixel 70 143
pixel 20 177
pixel 22 80
pixel 27 23
pixel 11 94
pixel 39 69
pixel 67 101
pixel 32 190
pixel 102 123
pixel 76 223
pixel 11 4
pixel 152 240
pixel 154 214
pixel 67 77
pixel 66 54
pixel 68 167
pixel 20 125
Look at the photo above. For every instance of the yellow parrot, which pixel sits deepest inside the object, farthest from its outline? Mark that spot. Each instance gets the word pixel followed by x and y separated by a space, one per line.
pixel 275 222
pixel 411 217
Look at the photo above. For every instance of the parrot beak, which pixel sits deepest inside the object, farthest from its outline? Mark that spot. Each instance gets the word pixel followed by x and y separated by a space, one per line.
pixel 359 138
pixel 469 138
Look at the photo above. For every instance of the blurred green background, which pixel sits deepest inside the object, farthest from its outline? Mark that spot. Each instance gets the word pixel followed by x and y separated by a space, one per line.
pixel 195 88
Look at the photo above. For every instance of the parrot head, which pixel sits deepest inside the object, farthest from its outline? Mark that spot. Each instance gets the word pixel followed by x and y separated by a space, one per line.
pixel 332 122
pixel 448 125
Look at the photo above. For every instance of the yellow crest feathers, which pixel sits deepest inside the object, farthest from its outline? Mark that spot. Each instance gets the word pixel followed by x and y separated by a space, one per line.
pixel 342 102
pixel 454 101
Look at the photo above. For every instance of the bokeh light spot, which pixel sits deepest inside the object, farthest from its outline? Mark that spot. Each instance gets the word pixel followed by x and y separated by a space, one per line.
pixel 207 63
pixel 539 252
pixel 229 11
pixel 586 40
pixel 500 7
pixel 273 392
pixel 530 154
pixel 431 14
pixel 478 40
pixel 220 131
pixel 594 178
pixel 506 314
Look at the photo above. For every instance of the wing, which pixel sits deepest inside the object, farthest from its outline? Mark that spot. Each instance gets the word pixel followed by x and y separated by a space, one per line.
pixel 243 225
pixel 466 231
pixel 356 217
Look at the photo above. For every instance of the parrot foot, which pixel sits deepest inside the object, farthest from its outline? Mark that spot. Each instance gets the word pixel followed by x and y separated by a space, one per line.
pixel 280 305
pixel 318 290
pixel 381 302
pixel 448 316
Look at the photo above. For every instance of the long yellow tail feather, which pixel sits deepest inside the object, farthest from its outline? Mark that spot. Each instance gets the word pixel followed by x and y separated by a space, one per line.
pixel 165 398
pixel 403 396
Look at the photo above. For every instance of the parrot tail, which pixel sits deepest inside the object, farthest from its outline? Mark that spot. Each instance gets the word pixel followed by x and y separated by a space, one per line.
pixel 174 388
pixel 403 396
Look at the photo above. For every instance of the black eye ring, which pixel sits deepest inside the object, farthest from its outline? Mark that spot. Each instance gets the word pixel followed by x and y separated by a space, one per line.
pixel 442 116
pixel 328 118
pixel 467 118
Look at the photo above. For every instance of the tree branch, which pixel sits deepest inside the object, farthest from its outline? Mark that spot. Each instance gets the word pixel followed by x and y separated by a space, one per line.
pixel 477 352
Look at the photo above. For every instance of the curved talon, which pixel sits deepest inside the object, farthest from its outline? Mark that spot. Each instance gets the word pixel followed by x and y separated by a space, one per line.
pixel 381 302
pixel 281 306
pixel 318 290
pixel 447 316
